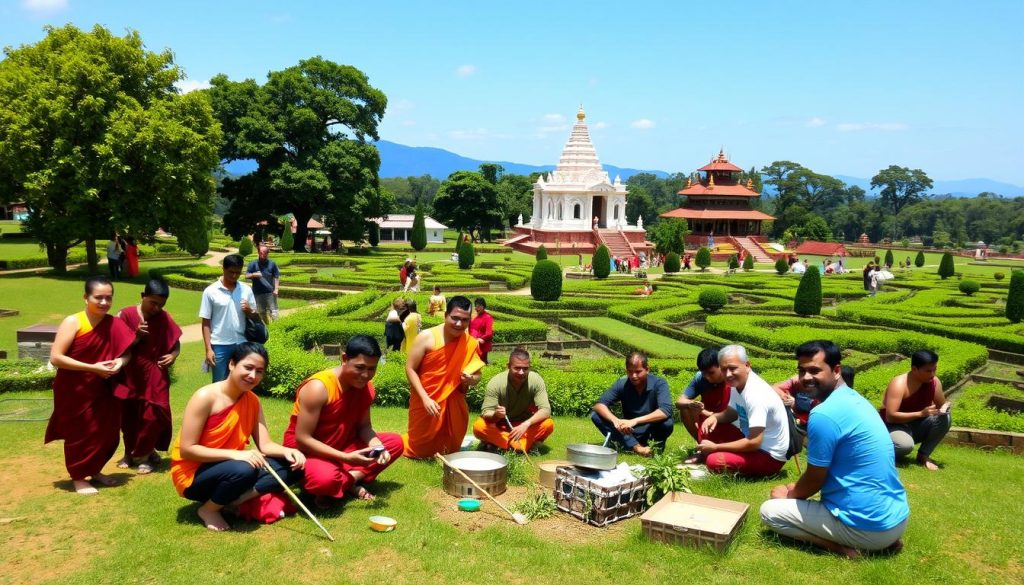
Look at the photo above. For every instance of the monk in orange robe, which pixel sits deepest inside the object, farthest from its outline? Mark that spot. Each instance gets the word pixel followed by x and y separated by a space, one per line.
pixel 443 363
pixel 331 424
pixel 90 348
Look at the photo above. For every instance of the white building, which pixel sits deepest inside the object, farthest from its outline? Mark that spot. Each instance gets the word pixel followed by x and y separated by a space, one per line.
pixel 398 228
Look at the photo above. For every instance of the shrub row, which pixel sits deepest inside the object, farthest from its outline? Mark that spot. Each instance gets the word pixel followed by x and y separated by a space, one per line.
pixel 21 375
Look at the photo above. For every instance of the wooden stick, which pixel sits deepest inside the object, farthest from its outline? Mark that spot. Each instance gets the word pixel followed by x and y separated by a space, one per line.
pixel 796 458
pixel 298 502
pixel 519 518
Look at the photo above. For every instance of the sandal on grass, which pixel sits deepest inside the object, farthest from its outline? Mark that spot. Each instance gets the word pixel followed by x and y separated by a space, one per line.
pixel 145 468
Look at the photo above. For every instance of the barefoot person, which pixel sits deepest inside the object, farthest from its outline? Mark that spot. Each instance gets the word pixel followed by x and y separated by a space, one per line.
pixel 90 348
pixel 646 408
pixel 915 409
pixel 144 387
pixel 331 424
pixel 515 413
pixel 442 365
pixel 863 505
pixel 211 462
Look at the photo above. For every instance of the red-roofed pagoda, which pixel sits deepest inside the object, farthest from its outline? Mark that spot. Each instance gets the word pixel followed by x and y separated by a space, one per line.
pixel 718 205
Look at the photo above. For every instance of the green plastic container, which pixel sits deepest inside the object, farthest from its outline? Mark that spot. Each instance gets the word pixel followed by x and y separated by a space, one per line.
pixel 469 505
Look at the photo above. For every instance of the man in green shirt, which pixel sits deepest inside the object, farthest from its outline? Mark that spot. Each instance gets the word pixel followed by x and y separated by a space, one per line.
pixel 516 413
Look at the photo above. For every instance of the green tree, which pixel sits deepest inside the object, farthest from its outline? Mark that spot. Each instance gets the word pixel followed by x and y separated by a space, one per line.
pixel 808 294
pixel 418 237
pixel 1015 297
pixel 95 139
pixel 669 235
pixel 467 202
pixel 244 246
pixel 781 266
pixel 734 262
pixel 307 129
pixel 287 239
pixel 969 287
pixel 492 172
pixel 546 281
pixel 889 260
pixel 601 262
pixel 919 259
pixel 946 266
pixel 639 203
pixel 712 298
pixel 671 263
pixel 542 253
pixel 467 255
pixel 374 233
pixel 901 186
pixel 703 259
pixel 748 263
pixel 515 198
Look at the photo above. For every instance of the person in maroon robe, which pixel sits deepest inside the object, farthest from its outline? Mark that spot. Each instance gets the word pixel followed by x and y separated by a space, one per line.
pixel 90 348
pixel 144 386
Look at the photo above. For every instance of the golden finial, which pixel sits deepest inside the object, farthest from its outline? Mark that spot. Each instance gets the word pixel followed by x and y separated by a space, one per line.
pixel 689 182
pixel 581 115
pixel 711 181
pixel 750 183
pixel 721 154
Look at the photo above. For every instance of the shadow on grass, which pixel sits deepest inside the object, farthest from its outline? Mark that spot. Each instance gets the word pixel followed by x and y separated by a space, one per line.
pixel 120 477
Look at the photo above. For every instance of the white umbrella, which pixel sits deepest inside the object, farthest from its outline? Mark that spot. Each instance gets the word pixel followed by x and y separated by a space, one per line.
pixel 884 275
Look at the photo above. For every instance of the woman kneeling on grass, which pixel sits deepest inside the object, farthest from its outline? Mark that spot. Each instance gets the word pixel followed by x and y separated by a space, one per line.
pixel 210 461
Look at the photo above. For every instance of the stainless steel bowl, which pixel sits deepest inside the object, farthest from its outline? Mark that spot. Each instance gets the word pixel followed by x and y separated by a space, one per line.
pixel 592 456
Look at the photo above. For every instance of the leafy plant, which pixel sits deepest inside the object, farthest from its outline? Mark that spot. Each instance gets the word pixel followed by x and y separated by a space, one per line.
pixel 889 261
pixel 467 256
pixel 748 263
pixel 671 263
pixel 546 281
pixel 418 237
pixel 808 293
pixel 1015 297
pixel 703 259
pixel 519 472
pixel 919 259
pixel 602 262
pixel 542 253
pixel 781 266
pixel 666 475
pixel 969 287
pixel 245 246
pixel 998 276
pixel 538 504
pixel 946 267
pixel 712 298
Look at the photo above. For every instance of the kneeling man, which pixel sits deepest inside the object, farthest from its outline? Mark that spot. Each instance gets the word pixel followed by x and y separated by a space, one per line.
pixel 515 413
pixel 915 410
pixel 863 505
pixel 763 421
pixel 330 424
pixel 646 406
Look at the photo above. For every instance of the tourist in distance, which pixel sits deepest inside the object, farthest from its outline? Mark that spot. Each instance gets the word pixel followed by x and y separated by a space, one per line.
pixel 411 322
pixel 331 425
pixel 482 328
pixel 863 505
pixel 708 384
pixel 145 385
pixel 763 420
pixel 516 413
pixel 442 365
pixel 412 280
pixel 915 410
pixel 868 269
pixel 394 334
pixel 224 308
pixel 115 251
pixel 90 347
pixel 266 278
pixel 646 408
pixel 435 307
pixel 211 462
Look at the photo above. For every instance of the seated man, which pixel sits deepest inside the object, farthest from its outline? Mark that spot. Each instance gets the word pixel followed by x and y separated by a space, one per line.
pixel 330 424
pixel 646 408
pixel 915 409
pixel 763 420
pixel 515 413
pixel 709 384
pixel 863 505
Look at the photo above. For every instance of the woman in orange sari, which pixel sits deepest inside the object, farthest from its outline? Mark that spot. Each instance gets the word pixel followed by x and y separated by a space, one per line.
pixel 90 348
pixel 211 462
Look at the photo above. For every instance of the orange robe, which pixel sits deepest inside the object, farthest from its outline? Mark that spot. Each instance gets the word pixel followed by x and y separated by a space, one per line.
pixel 228 429
pixel 496 433
pixel 441 375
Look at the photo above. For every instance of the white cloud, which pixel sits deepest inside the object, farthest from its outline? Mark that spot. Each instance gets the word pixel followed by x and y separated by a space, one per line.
pixel 600 125
pixel 465 70
pixel 554 118
pixel 815 122
pixel 642 124
pixel 44 6
pixel 859 126
pixel 190 85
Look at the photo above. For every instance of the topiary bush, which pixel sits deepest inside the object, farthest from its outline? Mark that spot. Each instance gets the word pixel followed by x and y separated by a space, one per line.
pixel 602 262
pixel 703 259
pixel 969 287
pixel 467 256
pixel 998 276
pixel 671 263
pixel 1015 297
pixel 808 294
pixel 781 266
pixel 712 298
pixel 374 235
pixel 734 262
pixel 546 282
pixel 418 237
pixel 245 246
pixel 287 239
pixel 919 259
pixel 889 261
pixel 946 267
pixel 748 263
pixel 542 253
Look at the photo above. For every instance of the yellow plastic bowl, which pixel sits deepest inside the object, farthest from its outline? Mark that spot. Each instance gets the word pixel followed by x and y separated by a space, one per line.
pixel 382 523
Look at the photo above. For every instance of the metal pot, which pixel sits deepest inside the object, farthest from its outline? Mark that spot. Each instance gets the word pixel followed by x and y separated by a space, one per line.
pixel 592 456
pixel 493 480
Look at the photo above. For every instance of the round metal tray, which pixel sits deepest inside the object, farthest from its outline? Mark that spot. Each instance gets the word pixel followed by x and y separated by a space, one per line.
pixel 592 456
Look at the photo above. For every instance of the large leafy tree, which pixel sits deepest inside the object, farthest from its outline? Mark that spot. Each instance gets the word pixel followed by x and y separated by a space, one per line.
pixel 468 202
pixel 95 139
pixel 901 185
pixel 669 235
pixel 639 203
pixel 515 197
pixel 307 128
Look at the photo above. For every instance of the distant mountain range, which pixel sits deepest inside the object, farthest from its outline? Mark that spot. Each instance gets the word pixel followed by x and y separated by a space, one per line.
pixel 399 160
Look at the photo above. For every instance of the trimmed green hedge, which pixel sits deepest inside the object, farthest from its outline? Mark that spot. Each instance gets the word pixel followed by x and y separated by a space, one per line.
pixel 22 375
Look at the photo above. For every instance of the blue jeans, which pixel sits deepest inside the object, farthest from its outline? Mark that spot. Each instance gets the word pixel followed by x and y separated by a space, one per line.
pixel 222 354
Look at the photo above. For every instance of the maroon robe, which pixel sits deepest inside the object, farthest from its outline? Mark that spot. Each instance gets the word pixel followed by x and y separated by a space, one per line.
pixel 144 387
pixel 85 413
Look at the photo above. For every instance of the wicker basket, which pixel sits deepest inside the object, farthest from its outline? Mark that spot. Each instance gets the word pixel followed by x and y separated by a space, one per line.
pixel 596 504
pixel 691 520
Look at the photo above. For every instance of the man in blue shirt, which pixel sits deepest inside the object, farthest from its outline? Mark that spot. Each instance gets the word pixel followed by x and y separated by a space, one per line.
pixel 646 408
pixel 863 505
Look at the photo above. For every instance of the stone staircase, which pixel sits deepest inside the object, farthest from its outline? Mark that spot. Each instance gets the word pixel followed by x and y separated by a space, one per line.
pixel 754 249
pixel 616 243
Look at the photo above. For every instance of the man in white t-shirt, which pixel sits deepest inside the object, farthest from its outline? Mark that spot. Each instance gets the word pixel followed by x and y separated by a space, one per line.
pixel 762 418
pixel 223 310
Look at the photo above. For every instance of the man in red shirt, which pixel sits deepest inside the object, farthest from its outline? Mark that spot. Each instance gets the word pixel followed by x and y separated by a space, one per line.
pixel 482 328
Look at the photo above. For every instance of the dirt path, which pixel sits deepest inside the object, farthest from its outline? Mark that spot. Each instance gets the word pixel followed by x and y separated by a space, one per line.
pixel 194 332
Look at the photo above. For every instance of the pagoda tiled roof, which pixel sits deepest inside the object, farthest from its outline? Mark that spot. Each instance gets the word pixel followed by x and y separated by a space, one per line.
pixel 813 248
pixel 690 213
pixel 720 165
pixel 729 190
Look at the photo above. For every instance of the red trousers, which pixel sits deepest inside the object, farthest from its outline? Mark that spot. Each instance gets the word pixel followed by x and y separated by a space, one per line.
pixel 327 477
pixel 751 463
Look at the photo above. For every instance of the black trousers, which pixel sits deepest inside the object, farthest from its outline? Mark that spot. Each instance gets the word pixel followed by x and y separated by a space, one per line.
pixel 659 431
pixel 223 482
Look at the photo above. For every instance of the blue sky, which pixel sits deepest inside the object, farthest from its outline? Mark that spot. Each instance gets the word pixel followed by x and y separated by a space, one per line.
pixel 841 87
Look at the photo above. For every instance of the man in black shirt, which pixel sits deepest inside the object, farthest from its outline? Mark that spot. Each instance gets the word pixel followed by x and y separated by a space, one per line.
pixel 265 277
pixel 646 407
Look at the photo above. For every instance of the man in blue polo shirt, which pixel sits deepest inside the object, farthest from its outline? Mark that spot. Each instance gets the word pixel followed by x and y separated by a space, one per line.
pixel 223 311
pixel 863 505
pixel 646 408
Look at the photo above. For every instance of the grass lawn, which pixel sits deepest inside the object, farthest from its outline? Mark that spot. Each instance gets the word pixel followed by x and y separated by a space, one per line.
pixel 655 345
pixel 10 226
pixel 963 527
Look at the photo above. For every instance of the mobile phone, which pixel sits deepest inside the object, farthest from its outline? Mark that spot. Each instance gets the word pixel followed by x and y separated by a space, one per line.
pixel 375 452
